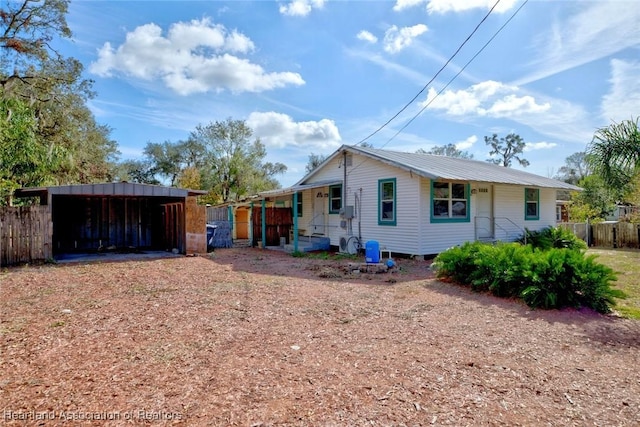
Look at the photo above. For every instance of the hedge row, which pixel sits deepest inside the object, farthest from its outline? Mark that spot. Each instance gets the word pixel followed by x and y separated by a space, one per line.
pixel 545 278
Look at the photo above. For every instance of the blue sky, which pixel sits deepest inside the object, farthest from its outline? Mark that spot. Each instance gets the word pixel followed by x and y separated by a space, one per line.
pixel 311 75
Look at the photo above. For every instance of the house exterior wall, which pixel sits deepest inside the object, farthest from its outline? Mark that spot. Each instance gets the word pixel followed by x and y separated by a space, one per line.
pixel 509 204
pixel 414 233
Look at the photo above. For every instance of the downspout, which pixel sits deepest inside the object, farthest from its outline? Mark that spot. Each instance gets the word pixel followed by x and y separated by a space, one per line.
pixel 250 219
pixel 344 181
pixel 230 217
pixel 264 223
pixel 295 221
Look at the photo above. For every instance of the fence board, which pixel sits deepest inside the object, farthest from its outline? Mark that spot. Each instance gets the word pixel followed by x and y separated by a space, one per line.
pixel 217 214
pixel 607 234
pixel 25 234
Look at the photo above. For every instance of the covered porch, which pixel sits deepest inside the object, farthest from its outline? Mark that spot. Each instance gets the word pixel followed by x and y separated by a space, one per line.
pixel 294 219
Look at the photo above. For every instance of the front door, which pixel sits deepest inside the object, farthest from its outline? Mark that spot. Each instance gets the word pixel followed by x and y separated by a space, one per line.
pixel 319 208
pixel 484 212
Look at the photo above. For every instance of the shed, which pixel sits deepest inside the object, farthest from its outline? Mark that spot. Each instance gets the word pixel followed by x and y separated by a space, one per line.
pixel 123 215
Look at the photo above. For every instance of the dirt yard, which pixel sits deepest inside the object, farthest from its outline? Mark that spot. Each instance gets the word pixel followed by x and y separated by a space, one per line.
pixel 250 337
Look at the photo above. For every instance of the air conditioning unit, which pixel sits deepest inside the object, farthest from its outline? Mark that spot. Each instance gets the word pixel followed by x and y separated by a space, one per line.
pixel 349 244
pixel 344 241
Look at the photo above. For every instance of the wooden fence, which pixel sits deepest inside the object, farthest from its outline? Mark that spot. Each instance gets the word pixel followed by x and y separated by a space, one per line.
pixel 25 234
pixel 217 214
pixel 607 234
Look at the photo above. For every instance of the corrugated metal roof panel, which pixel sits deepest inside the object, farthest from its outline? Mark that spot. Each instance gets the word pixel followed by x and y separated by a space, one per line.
pixel 456 169
pixel 111 189
pixel 299 187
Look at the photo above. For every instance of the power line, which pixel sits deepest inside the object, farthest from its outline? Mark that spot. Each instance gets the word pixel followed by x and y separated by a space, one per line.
pixel 446 86
pixel 433 78
pixel 456 75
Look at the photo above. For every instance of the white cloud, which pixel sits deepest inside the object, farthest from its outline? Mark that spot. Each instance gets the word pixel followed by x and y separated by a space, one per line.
pixel 397 39
pixel 194 57
pixel 555 118
pixel 444 6
pixel 405 4
pixel 279 130
pixel 367 36
pixel 300 7
pixel 489 98
pixel 531 146
pixel 467 143
pixel 599 30
pixel 512 105
pixel 623 100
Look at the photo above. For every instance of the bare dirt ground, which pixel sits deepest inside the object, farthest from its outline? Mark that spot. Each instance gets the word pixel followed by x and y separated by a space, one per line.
pixel 250 337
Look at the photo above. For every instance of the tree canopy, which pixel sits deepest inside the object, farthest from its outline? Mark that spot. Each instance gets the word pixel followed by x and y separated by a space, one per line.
pixel 449 150
pixel 219 157
pixel 614 153
pixel 314 161
pixel 575 168
pixel 43 94
pixel 507 149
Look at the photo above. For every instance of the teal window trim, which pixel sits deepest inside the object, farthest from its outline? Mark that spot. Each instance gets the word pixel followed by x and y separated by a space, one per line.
pixel 332 198
pixel 298 202
pixel 467 197
pixel 393 219
pixel 528 217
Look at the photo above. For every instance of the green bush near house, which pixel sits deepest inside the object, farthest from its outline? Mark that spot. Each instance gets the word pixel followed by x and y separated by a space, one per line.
pixel 552 237
pixel 544 278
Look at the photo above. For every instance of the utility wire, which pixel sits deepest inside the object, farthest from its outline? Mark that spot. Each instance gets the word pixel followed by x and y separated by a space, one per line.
pixel 433 78
pixel 448 83
pixel 457 74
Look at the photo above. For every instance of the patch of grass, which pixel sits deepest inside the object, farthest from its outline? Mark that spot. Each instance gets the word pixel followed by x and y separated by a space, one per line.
pixel 626 264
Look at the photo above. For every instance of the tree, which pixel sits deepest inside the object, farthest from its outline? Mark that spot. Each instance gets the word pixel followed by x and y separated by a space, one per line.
pixel 614 153
pixel 23 161
pixel 595 202
pixel 507 148
pixel 140 171
pixel 575 168
pixel 448 150
pixel 234 165
pixel 314 161
pixel 51 87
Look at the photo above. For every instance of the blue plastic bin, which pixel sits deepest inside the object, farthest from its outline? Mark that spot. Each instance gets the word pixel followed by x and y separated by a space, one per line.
pixel 372 252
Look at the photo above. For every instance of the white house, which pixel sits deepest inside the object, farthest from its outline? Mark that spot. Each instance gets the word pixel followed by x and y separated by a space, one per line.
pixel 415 204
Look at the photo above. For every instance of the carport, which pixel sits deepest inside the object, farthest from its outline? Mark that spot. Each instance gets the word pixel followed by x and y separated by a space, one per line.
pixel 123 216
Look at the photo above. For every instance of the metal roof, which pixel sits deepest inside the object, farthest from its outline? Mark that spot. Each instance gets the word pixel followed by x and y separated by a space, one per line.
pixel 450 168
pixel 299 187
pixel 109 189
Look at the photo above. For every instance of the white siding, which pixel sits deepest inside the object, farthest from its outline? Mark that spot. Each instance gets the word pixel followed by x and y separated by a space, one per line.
pixel 363 182
pixel 510 213
pixel 414 233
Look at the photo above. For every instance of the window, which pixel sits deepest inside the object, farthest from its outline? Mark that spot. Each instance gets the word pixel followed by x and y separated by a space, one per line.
pixel 387 202
pixel 335 199
pixel 531 204
pixel 299 204
pixel 449 202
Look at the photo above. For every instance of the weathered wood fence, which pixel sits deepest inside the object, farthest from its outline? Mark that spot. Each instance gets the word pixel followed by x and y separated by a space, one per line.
pixel 217 214
pixel 25 234
pixel 607 234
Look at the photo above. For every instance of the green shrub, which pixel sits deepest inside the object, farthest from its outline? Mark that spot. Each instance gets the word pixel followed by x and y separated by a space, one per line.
pixel 552 237
pixel 552 278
